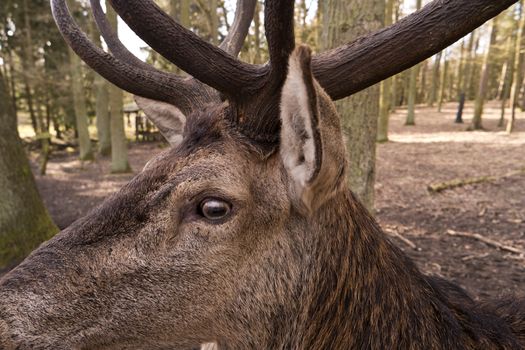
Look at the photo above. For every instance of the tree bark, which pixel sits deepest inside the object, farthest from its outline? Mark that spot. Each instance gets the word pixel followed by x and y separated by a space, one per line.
pixel 386 87
pixel 464 79
pixel 506 79
pixel 412 88
pixel 102 106
pixel 435 80
pixel 517 70
pixel 214 23
pixel 79 103
pixel 344 21
pixel 185 13
pixel 484 79
pixel 24 221
pixel 443 81
pixel 119 151
pixel 257 33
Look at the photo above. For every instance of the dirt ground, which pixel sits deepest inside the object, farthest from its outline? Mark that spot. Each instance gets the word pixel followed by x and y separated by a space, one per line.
pixel 435 150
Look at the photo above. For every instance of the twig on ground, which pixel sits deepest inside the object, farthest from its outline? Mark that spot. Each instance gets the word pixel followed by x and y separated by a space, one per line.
pixel 487 241
pixel 474 256
pixel 397 235
pixel 447 185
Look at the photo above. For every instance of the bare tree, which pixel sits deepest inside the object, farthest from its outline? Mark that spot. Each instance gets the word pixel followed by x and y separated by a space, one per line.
pixel 412 88
pixel 119 148
pixel 517 69
pixel 81 117
pixel 102 106
pixel 484 79
pixel 435 80
pixel 386 86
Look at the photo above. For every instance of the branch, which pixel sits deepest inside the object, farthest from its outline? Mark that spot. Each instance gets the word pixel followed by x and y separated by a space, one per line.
pixel 368 60
pixel 447 185
pixel 487 241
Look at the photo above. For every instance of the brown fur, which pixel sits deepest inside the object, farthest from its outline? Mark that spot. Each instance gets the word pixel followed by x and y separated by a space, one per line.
pixel 146 271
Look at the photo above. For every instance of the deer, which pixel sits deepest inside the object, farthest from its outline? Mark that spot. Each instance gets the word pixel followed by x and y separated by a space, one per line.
pixel 244 233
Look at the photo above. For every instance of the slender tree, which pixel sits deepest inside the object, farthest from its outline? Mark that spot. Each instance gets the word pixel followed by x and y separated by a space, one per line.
pixel 443 80
pixel 386 87
pixel 506 77
pixel 119 151
pixel 435 80
pixel 412 88
pixel 517 70
pixel 100 86
pixel 464 78
pixel 484 78
pixel 344 21
pixel 81 117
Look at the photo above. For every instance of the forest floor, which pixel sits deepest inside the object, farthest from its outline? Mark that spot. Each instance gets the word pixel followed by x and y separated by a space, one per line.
pixel 420 222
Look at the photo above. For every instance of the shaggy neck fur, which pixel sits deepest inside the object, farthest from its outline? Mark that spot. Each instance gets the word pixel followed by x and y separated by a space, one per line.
pixel 361 292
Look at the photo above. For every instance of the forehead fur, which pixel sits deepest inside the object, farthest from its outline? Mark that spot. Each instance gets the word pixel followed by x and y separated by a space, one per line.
pixel 212 126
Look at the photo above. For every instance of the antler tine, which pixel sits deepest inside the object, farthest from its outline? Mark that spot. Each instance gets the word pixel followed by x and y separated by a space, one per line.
pixel 110 37
pixel 263 123
pixel 279 30
pixel 204 61
pixel 149 84
pixel 233 42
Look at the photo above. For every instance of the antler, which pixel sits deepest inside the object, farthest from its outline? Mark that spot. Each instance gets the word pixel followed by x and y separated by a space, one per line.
pixel 232 44
pixel 253 90
pixel 202 60
pixel 368 60
pixel 151 84
pixel 131 74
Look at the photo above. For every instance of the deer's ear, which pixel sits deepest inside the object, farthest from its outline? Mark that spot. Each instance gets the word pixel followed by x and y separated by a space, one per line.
pixel 167 118
pixel 309 146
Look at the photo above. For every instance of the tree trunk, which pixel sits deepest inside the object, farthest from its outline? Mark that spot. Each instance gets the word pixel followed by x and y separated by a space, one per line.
pixel 484 79
pixel 12 81
pixel 174 7
pixel 344 21
pixel 119 151
pixel 412 87
pixel 79 103
pixel 435 80
pixel 422 86
pixel 470 87
pixel 464 78
pixel 102 106
pixel 185 13
pixel 506 78
pixel 386 87
pixel 257 33
pixel 24 221
pixel 517 70
pixel 28 62
pixel 214 23
pixel 41 131
pixel 443 81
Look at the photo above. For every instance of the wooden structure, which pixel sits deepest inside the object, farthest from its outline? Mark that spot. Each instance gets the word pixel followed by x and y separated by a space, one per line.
pixel 144 129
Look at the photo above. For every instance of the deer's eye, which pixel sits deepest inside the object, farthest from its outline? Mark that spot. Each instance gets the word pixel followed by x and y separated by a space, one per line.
pixel 214 209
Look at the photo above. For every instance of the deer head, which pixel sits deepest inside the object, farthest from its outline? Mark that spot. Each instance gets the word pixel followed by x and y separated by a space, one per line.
pixel 222 237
